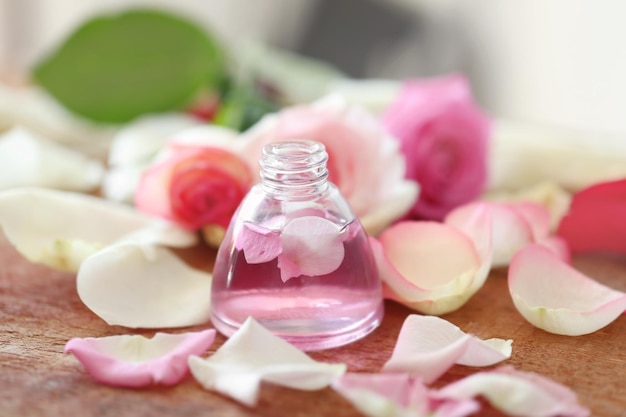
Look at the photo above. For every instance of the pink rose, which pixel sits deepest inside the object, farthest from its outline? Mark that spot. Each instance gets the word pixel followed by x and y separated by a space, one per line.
pixel 364 161
pixel 194 186
pixel 443 135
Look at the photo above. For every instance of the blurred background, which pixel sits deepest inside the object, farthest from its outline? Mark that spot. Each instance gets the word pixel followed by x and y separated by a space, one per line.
pixel 560 63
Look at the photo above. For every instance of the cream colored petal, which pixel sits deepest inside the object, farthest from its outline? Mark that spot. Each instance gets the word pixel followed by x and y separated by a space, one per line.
pixel 141 139
pixel 143 286
pixel 38 111
pixel 517 393
pixel 252 355
pixel 524 154
pixel 555 297
pixel 120 182
pixel 61 229
pixel 29 160
pixel 427 266
pixel 428 346
pixel 373 94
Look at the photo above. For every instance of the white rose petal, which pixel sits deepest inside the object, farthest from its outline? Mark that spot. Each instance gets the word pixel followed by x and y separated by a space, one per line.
pixel 143 286
pixel 61 229
pixel 29 160
pixel 38 111
pixel 254 354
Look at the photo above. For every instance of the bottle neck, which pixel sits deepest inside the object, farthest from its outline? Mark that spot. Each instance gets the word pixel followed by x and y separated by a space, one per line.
pixel 294 169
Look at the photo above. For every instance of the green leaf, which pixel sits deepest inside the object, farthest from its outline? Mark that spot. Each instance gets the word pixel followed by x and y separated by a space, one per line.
pixel 241 108
pixel 115 68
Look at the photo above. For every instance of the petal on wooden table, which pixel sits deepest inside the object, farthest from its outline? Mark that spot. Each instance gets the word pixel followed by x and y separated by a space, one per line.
pixel 517 393
pixel 136 361
pixel 252 355
pixel 61 229
pixel 428 266
pixel 428 346
pixel 144 286
pixel 556 298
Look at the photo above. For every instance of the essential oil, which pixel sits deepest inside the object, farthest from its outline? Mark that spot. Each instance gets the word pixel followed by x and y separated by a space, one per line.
pixel 295 257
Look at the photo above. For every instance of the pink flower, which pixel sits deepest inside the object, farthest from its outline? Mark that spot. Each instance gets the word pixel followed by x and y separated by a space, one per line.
pixel 363 160
pixel 444 137
pixel 194 186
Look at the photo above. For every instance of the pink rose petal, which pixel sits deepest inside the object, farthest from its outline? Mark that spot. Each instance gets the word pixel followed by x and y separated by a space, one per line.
pixel 397 394
pixel 135 361
pixel 311 246
pixel 511 232
pixel 536 215
pixel 597 219
pixel 558 246
pixel 259 244
pixel 517 393
pixel 475 220
pixel 428 346
pixel 427 266
pixel 555 297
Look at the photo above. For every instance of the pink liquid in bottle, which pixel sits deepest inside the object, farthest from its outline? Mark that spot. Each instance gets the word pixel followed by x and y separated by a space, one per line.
pixel 319 308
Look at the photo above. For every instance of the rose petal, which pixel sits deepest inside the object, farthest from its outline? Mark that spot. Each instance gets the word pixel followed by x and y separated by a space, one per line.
pixel 259 244
pixel 311 246
pixel 475 220
pixel 254 354
pixel 37 110
pixel 27 160
pixel 547 193
pixel 428 346
pixel 140 140
pixel 377 395
pixel 517 393
pixel 135 361
pixel 555 297
pixel 558 246
pixel 427 266
pixel 397 394
pixel 143 286
pixel 597 219
pixel 60 229
pixel 511 232
pixel 536 216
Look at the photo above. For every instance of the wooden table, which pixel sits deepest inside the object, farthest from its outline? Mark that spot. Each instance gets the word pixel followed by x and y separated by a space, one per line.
pixel 40 311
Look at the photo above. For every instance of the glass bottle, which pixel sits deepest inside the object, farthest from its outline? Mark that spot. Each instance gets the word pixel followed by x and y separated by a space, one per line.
pixel 295 257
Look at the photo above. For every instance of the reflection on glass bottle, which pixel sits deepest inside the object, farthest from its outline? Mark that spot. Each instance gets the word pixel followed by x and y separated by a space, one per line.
pixel 295 257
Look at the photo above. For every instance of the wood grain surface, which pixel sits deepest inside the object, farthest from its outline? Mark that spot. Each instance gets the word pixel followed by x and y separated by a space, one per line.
pixel 40 312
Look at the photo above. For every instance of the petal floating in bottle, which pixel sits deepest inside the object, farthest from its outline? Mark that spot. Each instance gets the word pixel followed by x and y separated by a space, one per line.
pixel 258 244
pixel 311 246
